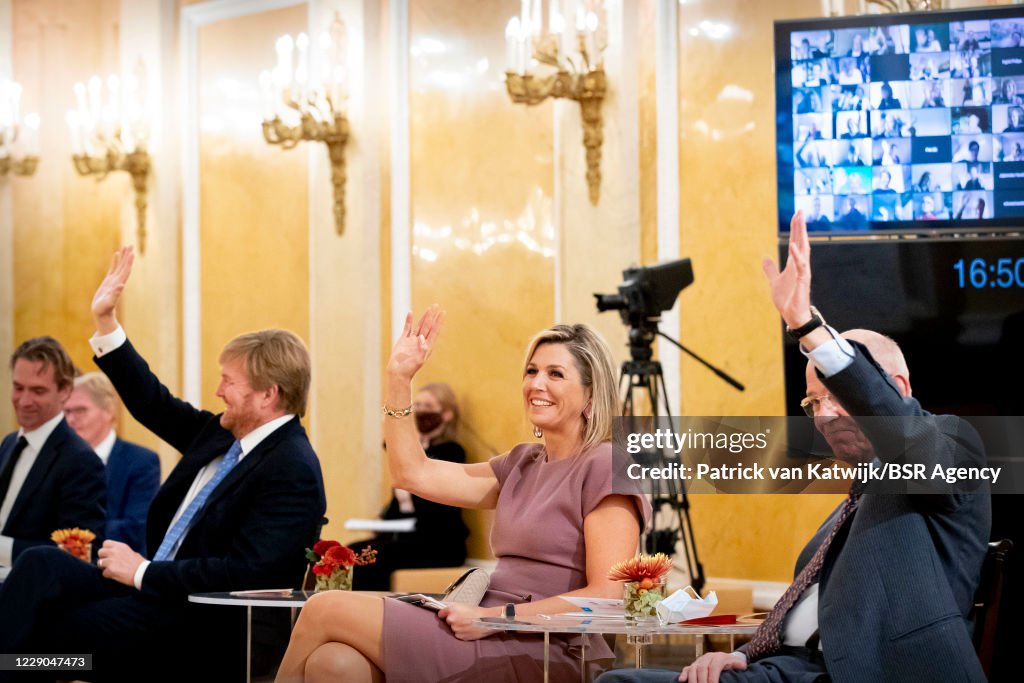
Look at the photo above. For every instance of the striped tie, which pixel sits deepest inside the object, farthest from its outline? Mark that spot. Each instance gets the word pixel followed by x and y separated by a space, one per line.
pixel 177 531
pixel 768 636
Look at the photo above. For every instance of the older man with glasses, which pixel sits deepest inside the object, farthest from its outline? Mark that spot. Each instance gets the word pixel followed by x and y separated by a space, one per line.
pixel 884 589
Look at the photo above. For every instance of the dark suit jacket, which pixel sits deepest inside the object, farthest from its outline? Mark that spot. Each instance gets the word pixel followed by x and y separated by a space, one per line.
pixel 898 583
pixel 133 477
pixel 65 488
pixel 254 528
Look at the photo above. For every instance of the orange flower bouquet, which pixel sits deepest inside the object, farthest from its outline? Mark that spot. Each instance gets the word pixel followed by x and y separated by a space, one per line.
pixel 76 541
pixel 644 579
pixel 333 564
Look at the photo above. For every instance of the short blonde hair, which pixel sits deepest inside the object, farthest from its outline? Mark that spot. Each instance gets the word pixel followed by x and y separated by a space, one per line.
pixel 597 373
pixel 100 391
pixel 274 358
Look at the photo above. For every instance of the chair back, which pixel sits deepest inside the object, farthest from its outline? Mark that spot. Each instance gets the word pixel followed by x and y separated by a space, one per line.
pixel 987 601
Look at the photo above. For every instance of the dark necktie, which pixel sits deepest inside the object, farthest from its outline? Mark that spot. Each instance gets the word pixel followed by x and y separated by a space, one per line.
pixel 768 637
pixel 8 469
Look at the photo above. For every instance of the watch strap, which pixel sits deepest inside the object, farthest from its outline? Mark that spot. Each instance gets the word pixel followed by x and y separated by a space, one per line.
pixel 814 323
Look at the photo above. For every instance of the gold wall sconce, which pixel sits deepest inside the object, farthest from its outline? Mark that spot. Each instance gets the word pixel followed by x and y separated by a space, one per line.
pixel 572 44
pixel 304 99
pixel 109 134
pixel 19 139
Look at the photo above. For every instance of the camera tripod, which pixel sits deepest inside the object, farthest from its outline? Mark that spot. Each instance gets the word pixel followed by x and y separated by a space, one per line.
pixel 646 375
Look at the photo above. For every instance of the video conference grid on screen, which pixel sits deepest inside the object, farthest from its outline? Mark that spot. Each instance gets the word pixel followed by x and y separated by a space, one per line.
pixel 916 122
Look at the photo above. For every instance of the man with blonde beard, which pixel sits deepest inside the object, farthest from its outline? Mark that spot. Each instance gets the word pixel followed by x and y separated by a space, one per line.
pixel 236 513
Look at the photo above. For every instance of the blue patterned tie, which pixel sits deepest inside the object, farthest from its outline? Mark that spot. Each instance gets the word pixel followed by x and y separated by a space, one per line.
pixel 175 533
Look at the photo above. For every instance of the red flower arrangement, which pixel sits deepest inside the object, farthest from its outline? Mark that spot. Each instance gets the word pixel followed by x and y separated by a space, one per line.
pixel 333 562
pixel 76 541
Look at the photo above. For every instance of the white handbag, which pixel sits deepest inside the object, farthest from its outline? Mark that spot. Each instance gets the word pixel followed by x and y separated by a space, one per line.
pixel 469 588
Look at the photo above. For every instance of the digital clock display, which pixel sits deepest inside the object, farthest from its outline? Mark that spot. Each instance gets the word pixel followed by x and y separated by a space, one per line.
pixel 1000 273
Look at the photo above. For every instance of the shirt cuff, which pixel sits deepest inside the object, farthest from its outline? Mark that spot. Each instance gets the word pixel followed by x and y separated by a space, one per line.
pixel 6 551
pixel 833 356
pixel 102 344
pixel 140 572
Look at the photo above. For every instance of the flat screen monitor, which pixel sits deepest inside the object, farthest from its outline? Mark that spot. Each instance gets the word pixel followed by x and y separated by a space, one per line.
pixel 955 307
pixel 902 123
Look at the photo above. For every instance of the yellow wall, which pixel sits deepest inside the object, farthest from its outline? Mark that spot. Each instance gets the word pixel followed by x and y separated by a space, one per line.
pixel 65 226
pixel 727 209
pixel 254 215
pixel 481 209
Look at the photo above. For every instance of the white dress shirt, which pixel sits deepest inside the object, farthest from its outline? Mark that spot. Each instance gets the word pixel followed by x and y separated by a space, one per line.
pixel 103 448
pixel 36 438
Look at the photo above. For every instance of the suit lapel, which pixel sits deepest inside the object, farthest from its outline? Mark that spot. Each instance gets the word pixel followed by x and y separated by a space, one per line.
pixel 115 464
pixel 6 448
pixel 250 462
pixel 179 481
pixel 45 461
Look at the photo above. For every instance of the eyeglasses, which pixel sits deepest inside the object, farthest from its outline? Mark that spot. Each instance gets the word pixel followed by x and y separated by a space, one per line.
pixel 812 404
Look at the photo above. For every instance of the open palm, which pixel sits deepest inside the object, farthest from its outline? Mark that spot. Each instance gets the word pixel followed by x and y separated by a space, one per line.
pixel 104 301
pixel 413 347
pixel 791 287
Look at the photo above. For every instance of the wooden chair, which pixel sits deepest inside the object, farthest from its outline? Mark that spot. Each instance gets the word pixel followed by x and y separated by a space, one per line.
pixel 987 601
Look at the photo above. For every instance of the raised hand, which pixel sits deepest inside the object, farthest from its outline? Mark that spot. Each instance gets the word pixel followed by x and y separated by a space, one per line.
pixel 414 346
pixel 104 301
pixel 791 288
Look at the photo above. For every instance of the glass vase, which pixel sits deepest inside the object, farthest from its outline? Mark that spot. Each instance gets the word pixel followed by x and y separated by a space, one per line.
pixel 339 580
pixel 640 601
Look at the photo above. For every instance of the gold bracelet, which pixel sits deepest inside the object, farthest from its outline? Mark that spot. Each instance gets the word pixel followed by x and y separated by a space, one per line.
pixel 397 414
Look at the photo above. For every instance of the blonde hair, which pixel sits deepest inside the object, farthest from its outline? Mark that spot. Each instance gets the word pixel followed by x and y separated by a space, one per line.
pixel 274 358
pixel 100 391
pixel 446 397
pixel 597 374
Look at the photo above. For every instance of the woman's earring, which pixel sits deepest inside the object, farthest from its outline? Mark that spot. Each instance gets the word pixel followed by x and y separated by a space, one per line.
pixel 537 433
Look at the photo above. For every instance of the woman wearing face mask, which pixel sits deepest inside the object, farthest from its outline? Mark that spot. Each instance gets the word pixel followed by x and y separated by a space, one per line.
pixel 440 536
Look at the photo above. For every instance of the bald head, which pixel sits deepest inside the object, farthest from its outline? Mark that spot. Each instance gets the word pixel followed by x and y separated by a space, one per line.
pixel 848 442
pixel 884 350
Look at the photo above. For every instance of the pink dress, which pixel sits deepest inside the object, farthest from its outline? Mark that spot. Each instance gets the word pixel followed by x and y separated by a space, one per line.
pixel 537 536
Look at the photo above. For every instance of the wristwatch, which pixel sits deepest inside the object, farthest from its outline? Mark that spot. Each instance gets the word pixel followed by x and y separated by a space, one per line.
pixel 815 322
pixel 510 611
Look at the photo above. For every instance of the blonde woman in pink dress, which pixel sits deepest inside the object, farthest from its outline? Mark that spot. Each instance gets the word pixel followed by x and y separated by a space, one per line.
pixel 558 527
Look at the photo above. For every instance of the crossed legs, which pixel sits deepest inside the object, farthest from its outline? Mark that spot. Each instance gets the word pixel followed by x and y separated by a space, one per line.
pixel 337 637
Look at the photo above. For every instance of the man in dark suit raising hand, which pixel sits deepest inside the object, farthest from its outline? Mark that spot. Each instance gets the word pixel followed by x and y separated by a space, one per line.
pixel 235 513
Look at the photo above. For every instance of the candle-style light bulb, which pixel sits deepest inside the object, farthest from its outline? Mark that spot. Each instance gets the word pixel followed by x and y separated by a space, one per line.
pixel 32 134
pixel 15 91
pixel 75 126
pixel 285 45
pixel 511 44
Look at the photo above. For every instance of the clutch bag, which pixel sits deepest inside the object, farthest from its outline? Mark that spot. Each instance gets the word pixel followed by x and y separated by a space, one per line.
pixel 469 588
